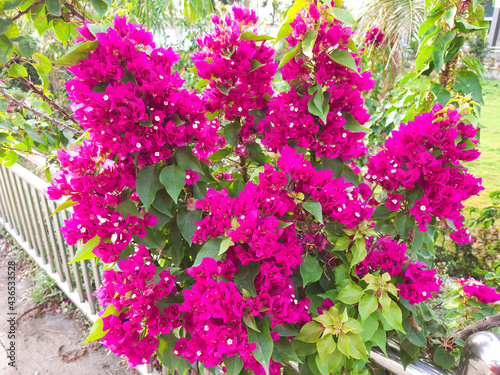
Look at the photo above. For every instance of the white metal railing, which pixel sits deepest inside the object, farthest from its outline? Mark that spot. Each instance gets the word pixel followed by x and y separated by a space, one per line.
pixel 25 213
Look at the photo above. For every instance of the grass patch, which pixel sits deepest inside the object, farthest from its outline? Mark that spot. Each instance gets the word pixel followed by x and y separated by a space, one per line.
pixel 487 166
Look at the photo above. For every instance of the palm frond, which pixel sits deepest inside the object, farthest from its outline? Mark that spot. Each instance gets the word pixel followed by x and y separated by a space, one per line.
pixel 399 20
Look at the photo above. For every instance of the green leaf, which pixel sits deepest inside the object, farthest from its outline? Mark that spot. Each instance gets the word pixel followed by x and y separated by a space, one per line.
pixel 468 83
pixel 290 55
pixel 284 351
pixel 350 295
pixel 286 29
pixel 6 49
pixel 443 96
pixel 464 27
pixel 97 332
pixel 225 245
pixel 335 165
pixel 394 316
pixel 44 63
pixel 78 52
pixel 68 203
pixel 283 32
pixel 27 46
pixel 250 322
pixel 9 4
pixel 449 15
pixel 248 35
pixel 344 58
pixel 255 64
pixel 173 178
pixel 264 342
pixel 309 41
pixel 358 251
pixel 165 351
pixel 310 332
pixel 367 305
pixel 128 207
pixel 219 154
pixel 147 184
pixel 255 153
pixel 101 6
pixel 357 348
pixel 5 23
pixel 343 344
pixel 342 243
pixel 209 250
pixel 63 30
pixel 224 89
pixel 233 365
pixel 314 208
pixel 187 160
pixel 325 346
pixel 443 358
pixel 201 83
pixel 53 7
pixel 404 223
pixel 231 133
pixel 244 278
pixel 310 270
pixel 352 124
pixel 85 250
pixel 331 364
pixel 380 339
pixel 370 326
pixel 94 29
pixel 10 158
pixel 186 223
pixel 16 70
pixel 344 16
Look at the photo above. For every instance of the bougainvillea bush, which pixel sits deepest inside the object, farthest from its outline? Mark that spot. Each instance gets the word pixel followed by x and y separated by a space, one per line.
pixel 236 230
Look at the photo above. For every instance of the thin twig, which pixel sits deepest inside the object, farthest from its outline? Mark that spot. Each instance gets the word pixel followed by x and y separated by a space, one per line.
pixel 27 10
pixel 52 103
pixel 38 113
pixel 484 324
pixel 57 41
pixel 73 11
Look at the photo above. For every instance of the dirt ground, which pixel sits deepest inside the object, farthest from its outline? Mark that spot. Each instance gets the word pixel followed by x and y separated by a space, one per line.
pixel 47 342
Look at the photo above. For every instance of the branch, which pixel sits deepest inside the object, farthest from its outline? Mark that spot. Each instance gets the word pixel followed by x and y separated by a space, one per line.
pixel 38 113
pixel 27 10
pixel 484 324
pixel 53 104
pixel 73 11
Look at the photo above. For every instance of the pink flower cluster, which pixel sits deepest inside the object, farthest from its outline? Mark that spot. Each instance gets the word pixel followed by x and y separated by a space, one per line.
pixel 133 291
pixel 476 288
pixel 388 255
pixel 427 154
pixel 95 181
pixel 126 95
pixel 215 309
pixel 289 118
pixel 374 36
pixel 239 71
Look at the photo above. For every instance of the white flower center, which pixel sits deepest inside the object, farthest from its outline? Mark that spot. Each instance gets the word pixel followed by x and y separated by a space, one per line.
pixel 138 145
pixel 229 341
pixel 198 353
pixel 423 208
pixel 106 97
pixel 394 201
pixel 157 118
pixel 157 154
